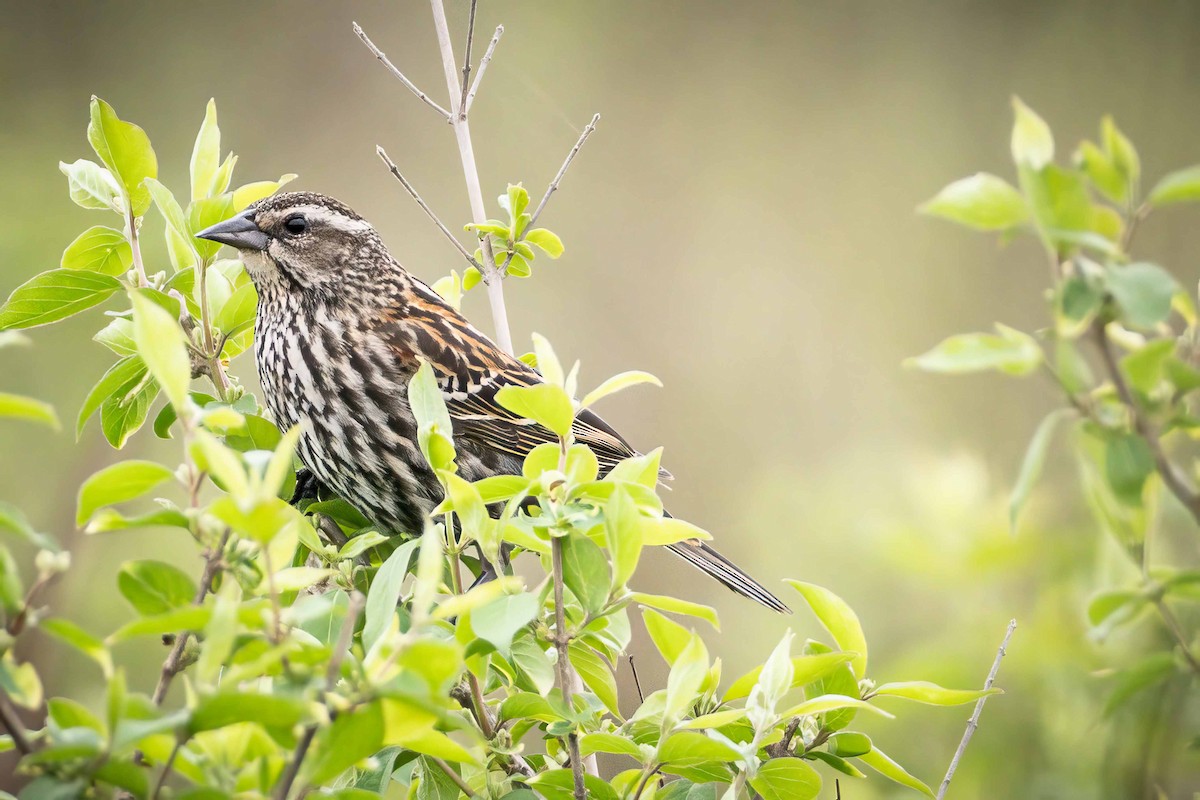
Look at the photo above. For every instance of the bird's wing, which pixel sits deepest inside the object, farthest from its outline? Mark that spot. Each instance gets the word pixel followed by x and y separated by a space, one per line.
pixel 471 369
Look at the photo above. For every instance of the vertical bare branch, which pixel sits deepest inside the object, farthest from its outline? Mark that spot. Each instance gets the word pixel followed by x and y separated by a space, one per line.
pixel 973 722
pixel 469 97
pixel 466 70
pixel 13 724
pixel 466 151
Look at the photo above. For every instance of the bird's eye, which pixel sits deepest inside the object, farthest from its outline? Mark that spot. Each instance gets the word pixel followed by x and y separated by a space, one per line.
pixel 295 224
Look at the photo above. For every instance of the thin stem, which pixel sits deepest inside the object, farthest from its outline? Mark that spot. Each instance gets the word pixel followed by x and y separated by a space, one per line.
pixel 171 667
pixel 412 87
pixel 1172 477
pixel 13 724
pixel 136 248
pixel 1176 630
pixel 478 705
pixel 454 777
pixel 563 663
pixel 462 132
pixel 166 770
pixel 466 70
pixel 425 207
pixel 357 601
pixel 973 722
pixel 649 772
pixel 469 100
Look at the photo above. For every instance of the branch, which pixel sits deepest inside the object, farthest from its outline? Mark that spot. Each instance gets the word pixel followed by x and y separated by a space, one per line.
pixel 466 70
pixel 563 663
pixel 462 132
pixel 13 724
pixel 357 601
pixel 973 722
pixel 469 98
pixel 425 207
pixel 412 87
pixel 553 187
pixel 1172 477
pixel 172 667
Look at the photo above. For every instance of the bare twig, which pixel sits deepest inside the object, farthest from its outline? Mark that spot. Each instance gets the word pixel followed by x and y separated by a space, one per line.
pixel 782 747
pixel 973 722
pixel 455 778
pixel 562 641
pixel 636 683
pixel 1176 631
pixel 13 724
pixel 553 187
pixel 166 770
pixel 469 98
pixel 466 70
pixel 466 151
pixel 357 601
pixel 425 207
pixel 1172 477
pixel 412 87
pixel 172 666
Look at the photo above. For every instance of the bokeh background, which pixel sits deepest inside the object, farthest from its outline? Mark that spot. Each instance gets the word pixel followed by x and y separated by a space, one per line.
pixel 742 224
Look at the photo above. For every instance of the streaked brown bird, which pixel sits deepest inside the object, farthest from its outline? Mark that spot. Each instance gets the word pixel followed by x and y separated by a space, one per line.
pixel 341 329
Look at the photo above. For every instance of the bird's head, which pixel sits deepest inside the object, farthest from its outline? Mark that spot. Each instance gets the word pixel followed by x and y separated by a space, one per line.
pixel 306 241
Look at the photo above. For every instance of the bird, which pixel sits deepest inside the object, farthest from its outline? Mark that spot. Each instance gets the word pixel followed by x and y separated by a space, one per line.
pixel 342 328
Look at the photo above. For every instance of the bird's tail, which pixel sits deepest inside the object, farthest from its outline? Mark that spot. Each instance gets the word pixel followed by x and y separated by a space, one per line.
pixel 709 561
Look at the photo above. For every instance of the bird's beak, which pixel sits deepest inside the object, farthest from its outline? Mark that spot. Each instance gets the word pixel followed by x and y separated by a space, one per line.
pixel 239 232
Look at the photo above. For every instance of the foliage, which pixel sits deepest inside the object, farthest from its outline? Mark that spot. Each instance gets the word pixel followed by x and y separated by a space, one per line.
pixel 319 655
pixel 1121 346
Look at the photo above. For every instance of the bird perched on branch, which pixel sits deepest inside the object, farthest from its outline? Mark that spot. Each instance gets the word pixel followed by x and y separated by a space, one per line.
pixel 341 329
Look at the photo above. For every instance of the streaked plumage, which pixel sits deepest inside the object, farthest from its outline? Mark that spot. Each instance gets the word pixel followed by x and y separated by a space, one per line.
pixel 342 327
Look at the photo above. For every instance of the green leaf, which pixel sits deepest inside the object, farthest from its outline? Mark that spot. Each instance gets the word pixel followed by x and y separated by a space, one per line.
pixel 1031 465
pixel 228 708
pixel 885 766
pixel 99 249
pixel 119 380
pixel 1150 671
pixel 160 343
pixel 543 403
pixel 688 673
pixel 1100 170
pixel 608 743
pixel 805 670
pixel 982 201
pixel 172 212
pixel 1181 186
pixel 1107 610
pixel 677 606
pixel 1128 463
pixel 668 636
pixel 500 620
pixel 244 196
pixel 786 779
pixel 617 383
pixel 622 536
pixel 849 744
pixel 13 521
pixel 351 738
pixel 547 240
pixel 839 619
pixel 547 361
pixel 932 694
pixel 125 149
pixel 596 675
pixel 1120 151
pixel 585 571
pixel 55 295
pixel 559 784
pixel 238 312
pixel 774 681
pixel 68 632
pixel 117 336
pixel 91 185
pixel 206 153
pixel 1011 352
pixel 155 587
pixel 118 484
pixel 19 407
pixel 1032 142
pixel 429 408
pixel 384 593
pixel 121 417
pixel 688 749
pixel 1142 292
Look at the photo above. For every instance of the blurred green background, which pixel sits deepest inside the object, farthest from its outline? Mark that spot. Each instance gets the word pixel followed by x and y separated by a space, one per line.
pixel 742 224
